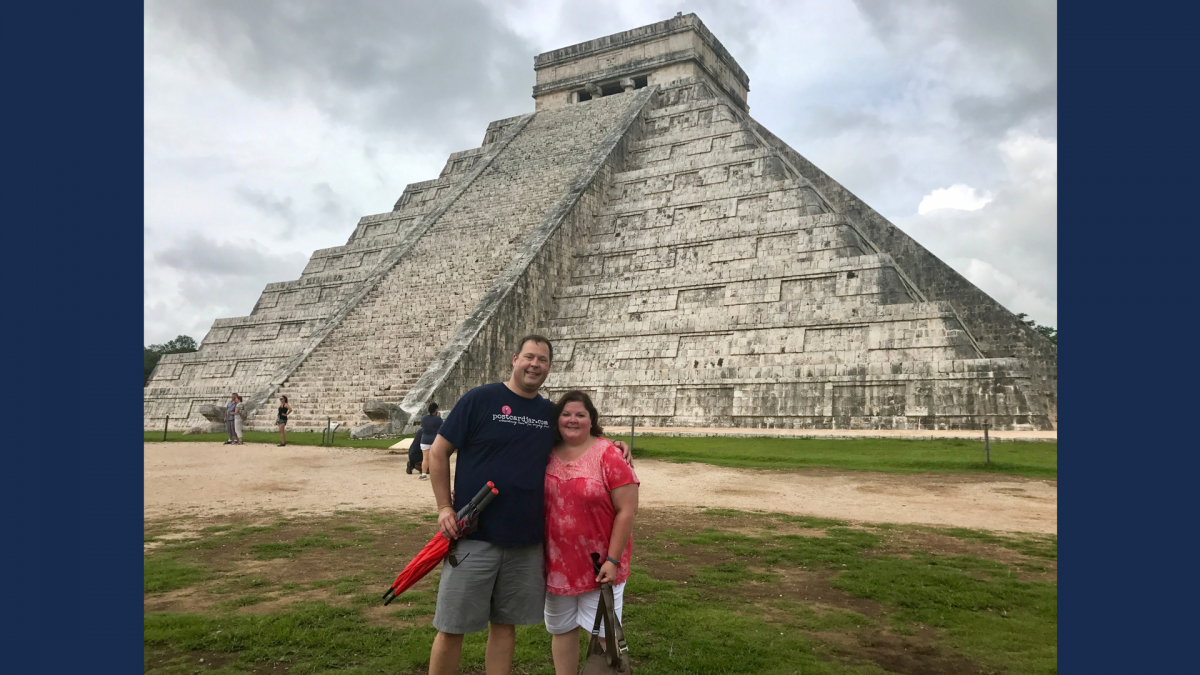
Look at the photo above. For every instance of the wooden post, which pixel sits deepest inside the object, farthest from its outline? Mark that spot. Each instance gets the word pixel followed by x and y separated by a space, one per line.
pixel 987 450
pixel 165 425
pixel 632 426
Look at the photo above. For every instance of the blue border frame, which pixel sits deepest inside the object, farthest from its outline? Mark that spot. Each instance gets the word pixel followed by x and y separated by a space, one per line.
pixel 1126 575
pixel 75 510
pixel 74 487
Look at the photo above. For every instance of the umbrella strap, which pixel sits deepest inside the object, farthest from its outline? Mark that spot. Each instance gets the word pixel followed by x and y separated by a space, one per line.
pixel 599 616
pixel 606 611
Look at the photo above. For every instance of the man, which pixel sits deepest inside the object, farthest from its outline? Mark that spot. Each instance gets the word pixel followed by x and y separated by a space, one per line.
pixel 503 433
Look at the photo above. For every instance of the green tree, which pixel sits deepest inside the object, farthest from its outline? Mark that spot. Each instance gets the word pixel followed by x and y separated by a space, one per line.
pixel 150 355
pixel 1050 332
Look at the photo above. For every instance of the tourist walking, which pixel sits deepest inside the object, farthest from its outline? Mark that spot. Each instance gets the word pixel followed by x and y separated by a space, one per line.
pixel 430 424
pixel 502 433
pixel 230 408
pixel 239 418
pixel 281 419
pixel 591 499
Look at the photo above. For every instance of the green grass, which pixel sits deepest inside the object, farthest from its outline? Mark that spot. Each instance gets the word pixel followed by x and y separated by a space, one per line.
pixel 162 573
pixel 1009 622
pixel 341 438
pixel 949 455
pixel 714 598
pixel 1037 546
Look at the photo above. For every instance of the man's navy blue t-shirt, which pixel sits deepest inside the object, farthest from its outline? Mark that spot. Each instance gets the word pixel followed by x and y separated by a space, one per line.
pixel 504 438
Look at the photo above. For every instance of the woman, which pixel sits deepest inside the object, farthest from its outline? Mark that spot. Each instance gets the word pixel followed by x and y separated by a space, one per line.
pixel 281 419
pixel 231 408
pixel 591 499
pixel 239 418
pixel 430 425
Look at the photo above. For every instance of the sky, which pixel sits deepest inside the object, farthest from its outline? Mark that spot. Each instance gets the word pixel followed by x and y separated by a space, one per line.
pixel 272 127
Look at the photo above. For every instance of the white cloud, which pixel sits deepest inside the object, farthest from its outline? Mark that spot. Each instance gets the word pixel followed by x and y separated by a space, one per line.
pixel 959 196
pixel 1030 158
pixel 1009 246
pixel 1011 292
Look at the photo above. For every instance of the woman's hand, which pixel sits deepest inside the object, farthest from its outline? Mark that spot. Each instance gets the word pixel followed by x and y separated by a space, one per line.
pixel 608 573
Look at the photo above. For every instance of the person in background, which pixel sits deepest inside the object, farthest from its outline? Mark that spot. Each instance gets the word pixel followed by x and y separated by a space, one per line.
pixel 281 419
pixel 230 408
pixel 415 454
pixel 591 500
pixel 430 424
pixel 239 418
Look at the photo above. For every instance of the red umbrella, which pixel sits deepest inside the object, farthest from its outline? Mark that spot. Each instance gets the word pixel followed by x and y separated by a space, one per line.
pixel 437 548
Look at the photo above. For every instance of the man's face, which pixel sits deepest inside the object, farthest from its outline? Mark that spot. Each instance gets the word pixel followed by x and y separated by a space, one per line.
pixel 531 365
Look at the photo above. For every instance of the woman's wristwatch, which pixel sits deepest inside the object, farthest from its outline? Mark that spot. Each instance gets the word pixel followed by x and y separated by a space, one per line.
pixel 611 560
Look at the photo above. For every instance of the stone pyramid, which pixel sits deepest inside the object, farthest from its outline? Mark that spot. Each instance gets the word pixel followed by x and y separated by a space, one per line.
pixel 691 268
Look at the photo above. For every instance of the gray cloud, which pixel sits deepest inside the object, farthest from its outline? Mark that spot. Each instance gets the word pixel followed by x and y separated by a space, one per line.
pixel 200 279
pixel 201 257
pixel 331 206
pixel 411 67
pixel 270 205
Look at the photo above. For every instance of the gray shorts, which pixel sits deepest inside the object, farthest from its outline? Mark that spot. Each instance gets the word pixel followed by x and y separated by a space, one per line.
pixel 494 583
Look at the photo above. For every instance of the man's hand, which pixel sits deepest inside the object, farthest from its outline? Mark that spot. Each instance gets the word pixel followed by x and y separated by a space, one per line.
pixel 448 523
pixel 625 451
pixel 439 480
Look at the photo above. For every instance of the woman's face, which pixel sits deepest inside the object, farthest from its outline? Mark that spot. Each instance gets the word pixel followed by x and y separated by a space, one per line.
pixel 574 424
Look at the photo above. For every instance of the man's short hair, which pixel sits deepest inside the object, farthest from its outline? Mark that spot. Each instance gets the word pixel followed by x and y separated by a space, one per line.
pixel 538 339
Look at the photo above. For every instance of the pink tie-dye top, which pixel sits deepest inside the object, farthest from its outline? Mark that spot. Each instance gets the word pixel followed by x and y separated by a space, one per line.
pixel 580 516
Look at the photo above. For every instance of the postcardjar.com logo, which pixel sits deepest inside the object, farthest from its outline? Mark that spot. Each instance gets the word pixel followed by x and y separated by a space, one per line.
pixel 505 416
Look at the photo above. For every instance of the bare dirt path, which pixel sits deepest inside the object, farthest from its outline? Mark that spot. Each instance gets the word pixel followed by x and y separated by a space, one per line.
pixel 210 479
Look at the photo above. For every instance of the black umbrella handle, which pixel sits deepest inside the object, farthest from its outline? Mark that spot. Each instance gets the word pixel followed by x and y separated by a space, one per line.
pixel 474 503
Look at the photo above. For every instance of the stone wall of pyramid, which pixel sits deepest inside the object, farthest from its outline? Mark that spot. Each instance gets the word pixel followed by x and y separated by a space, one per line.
pixel 690 267
pixel 719 287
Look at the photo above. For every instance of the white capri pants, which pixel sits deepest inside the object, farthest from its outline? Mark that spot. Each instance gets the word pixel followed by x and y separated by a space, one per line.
pixel 565 612
pixel 237 426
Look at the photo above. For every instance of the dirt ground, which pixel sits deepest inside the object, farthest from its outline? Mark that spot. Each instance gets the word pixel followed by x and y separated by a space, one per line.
pixel 210 479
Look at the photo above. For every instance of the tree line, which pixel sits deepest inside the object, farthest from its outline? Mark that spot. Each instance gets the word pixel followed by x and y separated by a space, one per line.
pixel 150 355
pixel 1049 332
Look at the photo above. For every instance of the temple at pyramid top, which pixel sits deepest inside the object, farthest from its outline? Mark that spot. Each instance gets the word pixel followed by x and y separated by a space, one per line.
pixel 678 48
pixel 690 267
